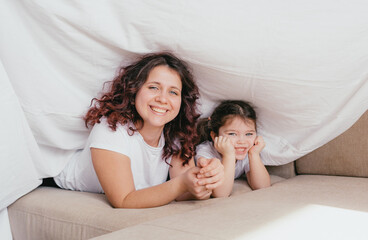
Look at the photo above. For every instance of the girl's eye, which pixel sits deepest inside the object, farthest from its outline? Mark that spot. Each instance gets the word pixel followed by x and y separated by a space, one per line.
pixel 231 134
pixel 249 134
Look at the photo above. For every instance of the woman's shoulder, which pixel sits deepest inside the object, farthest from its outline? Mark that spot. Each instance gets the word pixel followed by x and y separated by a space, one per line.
pixel 103 128
pixel 104 137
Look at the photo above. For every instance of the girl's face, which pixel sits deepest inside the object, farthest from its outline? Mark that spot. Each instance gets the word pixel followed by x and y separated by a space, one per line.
pixel 242 135
pixel 159 99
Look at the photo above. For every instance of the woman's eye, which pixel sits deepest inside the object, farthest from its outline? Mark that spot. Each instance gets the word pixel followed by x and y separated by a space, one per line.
pixel 249 134
pixel 153 87
pixel 231 134
pixel 174 93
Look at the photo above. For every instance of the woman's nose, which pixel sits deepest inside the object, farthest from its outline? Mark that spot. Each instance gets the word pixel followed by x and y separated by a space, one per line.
pixel 161 97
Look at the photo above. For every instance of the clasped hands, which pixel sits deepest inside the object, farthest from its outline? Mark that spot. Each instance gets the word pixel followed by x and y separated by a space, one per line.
pixel 206 176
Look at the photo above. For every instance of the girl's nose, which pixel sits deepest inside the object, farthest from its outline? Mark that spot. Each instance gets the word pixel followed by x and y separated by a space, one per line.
pixel 245 140
pixel 241 139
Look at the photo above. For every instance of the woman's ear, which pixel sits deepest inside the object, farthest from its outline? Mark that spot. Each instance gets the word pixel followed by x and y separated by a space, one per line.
pixel 213 135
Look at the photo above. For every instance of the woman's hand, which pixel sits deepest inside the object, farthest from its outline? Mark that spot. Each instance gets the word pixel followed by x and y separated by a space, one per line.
pixel 211 173
pixel 259 144
pixel 191 182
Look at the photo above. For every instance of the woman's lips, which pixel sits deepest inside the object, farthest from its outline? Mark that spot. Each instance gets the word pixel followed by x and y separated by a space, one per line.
pixel 158 110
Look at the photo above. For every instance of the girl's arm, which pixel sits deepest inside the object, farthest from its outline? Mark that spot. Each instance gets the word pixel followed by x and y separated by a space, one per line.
pixel 257 176
pixel 114 173
pixel 223 145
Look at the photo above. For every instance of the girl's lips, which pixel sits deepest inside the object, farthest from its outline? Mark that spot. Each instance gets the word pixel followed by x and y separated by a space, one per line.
pixel 240 149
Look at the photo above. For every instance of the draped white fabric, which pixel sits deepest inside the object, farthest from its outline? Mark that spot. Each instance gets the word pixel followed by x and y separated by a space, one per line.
pixel 19 153
pixel 5 232
pixel 303 64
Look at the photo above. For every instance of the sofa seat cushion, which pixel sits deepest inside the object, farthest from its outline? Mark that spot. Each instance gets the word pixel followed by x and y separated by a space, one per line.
pixel 53 213
pixel 333 206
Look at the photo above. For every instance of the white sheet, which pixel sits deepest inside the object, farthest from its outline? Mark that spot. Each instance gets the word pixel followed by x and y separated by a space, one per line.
pixel 303 64
pixel 5 232
pixel 18 153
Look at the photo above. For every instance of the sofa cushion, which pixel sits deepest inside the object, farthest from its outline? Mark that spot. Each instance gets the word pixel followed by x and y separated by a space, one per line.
pixel 346 155
pixel 303 207
pixel 53 213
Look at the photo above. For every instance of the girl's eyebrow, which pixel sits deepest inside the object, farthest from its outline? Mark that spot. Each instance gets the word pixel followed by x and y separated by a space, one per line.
pixel 231 130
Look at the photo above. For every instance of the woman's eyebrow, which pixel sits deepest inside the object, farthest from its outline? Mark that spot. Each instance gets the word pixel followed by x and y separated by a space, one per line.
pixel 179 89
pixel 158 83
pixel 154 82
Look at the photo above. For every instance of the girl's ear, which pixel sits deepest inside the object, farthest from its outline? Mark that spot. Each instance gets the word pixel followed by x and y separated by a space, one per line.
pixel 213 135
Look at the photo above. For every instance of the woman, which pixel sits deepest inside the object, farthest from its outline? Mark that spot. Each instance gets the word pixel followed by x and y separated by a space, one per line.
pixel 143 128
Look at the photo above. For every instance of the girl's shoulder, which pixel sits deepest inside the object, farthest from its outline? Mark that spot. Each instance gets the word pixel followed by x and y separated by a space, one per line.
pixel 207 150
pixel 205 145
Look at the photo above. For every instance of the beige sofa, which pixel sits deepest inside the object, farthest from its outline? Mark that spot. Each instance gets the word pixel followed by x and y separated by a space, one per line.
pixel 323 195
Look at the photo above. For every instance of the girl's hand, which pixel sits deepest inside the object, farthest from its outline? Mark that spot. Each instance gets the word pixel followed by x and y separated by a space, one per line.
pixel 224 146
pixel 259 144
pixel 211 174
pixel 191 183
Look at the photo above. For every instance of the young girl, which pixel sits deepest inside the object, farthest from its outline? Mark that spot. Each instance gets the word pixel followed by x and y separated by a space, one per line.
pixel 232 137
pixel 143 129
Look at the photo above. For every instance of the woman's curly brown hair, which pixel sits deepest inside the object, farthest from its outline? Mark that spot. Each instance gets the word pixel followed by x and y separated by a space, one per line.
pixel 117 105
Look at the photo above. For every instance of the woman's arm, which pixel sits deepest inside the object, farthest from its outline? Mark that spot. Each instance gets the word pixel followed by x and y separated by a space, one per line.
pixel 257 176
pixel 114 173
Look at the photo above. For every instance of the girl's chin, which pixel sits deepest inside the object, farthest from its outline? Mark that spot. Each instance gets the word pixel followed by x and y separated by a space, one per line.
pixel 240 157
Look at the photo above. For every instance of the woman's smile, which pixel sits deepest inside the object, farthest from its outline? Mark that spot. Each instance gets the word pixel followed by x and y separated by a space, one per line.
pixel 158 110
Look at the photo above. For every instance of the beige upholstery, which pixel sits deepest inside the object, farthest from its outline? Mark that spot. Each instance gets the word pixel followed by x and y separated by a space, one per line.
pixel 284 171
pixel 240 215
pixel 346 155
pixel 52 213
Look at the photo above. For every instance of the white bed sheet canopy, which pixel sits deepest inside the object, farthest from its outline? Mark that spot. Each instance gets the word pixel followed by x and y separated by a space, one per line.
pixel 302 64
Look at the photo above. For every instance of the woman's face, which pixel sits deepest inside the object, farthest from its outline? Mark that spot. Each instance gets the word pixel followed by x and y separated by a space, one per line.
pixel 159 99
pixel 241 133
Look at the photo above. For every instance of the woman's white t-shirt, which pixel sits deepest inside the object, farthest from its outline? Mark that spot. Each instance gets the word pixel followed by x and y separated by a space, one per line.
pixel 207 150
pixel 147 165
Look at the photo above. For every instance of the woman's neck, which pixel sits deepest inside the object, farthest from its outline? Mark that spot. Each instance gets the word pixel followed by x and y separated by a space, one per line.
pixel 151 135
